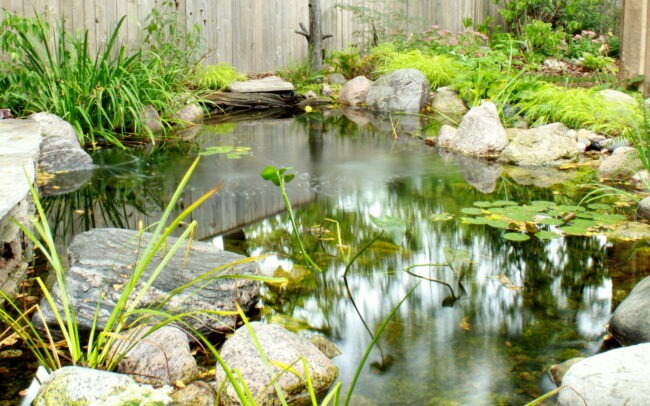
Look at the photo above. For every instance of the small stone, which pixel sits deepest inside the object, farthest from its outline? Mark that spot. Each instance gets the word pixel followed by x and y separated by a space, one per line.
pixel 197 393
pixel 354 92
pixel 336 79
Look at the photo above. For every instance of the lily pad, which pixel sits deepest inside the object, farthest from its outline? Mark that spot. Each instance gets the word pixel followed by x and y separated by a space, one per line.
pixel 547 235
pixel 599 206
pixel 516 237
pixel 473 211
pixel 501 203
pixel 498 223
pixel 482 204
pixel 474 220
pixel 543 204
pixel 574 230
pixel 550 221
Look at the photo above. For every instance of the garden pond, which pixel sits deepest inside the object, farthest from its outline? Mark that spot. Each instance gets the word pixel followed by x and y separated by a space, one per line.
pixel 487 315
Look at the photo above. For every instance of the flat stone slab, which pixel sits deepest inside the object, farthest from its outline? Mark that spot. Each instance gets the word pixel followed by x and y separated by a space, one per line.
pixel 268 84
pixel 102 260
pixel 20 142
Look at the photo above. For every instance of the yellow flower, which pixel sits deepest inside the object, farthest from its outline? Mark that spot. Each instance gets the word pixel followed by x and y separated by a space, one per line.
pixel 308 109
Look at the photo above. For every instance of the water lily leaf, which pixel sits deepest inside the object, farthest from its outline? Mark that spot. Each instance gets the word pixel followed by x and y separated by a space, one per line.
pixel 550 221
pixel 585 214
pixel 233 155
pixel 568 208
pixel 473 211
pixel 583 223
pixel 442 216
pixel 394 227
pixel 503 224
pixel 474 220
pixel 482 204
pixel 609 218
pixel 547 235
pixel 542 204
pixel 270 173
pixel 574 230
pixel 599 206
pixel 500 203
pixel 516 237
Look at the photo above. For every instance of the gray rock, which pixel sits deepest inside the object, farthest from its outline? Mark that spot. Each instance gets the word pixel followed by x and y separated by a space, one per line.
pixel 54 126
pixel 558 371
pixel 405 90
pixel 622 164
pixel 542 146
pixel 614 96
pixel 268 84
pixel 354 91
pixel 284 347
pixel 64 182
pixel 102 259
pixel 447 102
pixel 151 119
pixel 162 357
pixel 630 231
pixel 396 124
pixel 60 148
pixel 480 133
pixel 643 209
pixel 630 323
pixel 85 386
pixel 615 377
pixel 191 113
pixel 197 393
pixel 60 154
pixel 336 79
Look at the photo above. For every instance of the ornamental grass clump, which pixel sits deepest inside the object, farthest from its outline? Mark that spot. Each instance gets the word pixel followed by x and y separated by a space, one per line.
pixel 101 93
pixel 439 70
pixel 579 108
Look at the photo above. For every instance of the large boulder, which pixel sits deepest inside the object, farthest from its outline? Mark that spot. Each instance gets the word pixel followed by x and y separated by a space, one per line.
pixel 159 357
pixel 480 133
pixel 281 347
pixel 101 261
pixel 630 323
pixel 354 91
pixel 85 386
pixel 550 145
pixel 60 148
pixel 447 102
pixel 615 377
pixel 622 164
pixel 405 90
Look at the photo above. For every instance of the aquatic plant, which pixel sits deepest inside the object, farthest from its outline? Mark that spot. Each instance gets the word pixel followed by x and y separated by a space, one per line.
pixel 543 219
pixel 280 177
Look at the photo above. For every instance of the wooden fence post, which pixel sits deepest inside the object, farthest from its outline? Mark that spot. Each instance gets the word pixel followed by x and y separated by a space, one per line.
pixel 635 55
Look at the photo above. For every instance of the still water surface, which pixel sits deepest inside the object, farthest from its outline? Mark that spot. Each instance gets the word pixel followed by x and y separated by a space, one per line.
pixel 505 312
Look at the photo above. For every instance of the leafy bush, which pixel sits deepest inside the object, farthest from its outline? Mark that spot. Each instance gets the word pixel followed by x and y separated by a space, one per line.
pixel 568 15
pixel 540 38
pixel 348 62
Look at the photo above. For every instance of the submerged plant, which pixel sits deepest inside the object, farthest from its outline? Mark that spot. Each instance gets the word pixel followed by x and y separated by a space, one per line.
pixel 280 177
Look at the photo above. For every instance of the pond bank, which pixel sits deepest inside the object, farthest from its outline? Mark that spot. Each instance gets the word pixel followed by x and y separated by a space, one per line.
pixel 19 150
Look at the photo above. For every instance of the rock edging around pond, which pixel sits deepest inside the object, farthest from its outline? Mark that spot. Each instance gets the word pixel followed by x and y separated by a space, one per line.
pixel 156 362
pixel 100 262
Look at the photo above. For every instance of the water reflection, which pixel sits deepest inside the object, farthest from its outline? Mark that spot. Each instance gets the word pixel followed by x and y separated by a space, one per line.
pixel 525 305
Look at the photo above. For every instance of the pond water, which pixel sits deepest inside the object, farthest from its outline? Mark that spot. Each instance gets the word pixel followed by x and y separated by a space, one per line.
pixel 505 312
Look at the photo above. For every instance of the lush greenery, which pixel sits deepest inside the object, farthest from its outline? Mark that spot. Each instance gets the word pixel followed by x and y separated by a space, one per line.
pixel 104 93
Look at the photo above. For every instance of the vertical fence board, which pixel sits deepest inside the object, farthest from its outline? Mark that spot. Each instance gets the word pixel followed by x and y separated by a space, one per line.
pixel 257 35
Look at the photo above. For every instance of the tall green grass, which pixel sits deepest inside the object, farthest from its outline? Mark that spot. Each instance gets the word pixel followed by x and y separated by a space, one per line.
pixel 101 93
pixel 439 70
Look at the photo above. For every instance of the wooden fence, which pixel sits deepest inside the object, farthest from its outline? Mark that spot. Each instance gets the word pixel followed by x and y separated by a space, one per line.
pixel 258 35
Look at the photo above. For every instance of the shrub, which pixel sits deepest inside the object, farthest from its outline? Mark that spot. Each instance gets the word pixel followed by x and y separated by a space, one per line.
pixel 216 77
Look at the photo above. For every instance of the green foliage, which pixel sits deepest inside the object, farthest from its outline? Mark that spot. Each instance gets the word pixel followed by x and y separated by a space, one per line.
pixel 541 39
pixel 599 63
pixel 438 69
pixel 578 108
pixel 347 62
pixel 301 75
pixel 568 15
pixel 101 93
pixel 543 219
pixel 216 77
pixel 280 177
